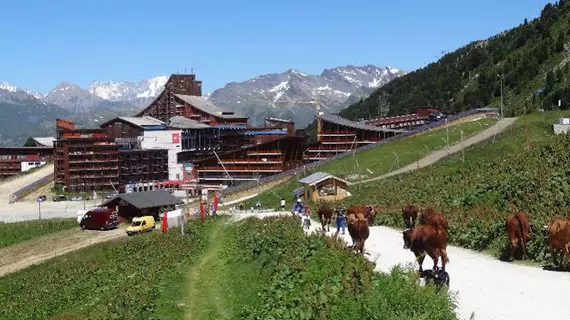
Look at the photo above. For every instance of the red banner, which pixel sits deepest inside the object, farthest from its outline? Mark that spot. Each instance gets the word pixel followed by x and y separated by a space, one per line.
pixel 216 202
pixel 164 222
pixel 176 138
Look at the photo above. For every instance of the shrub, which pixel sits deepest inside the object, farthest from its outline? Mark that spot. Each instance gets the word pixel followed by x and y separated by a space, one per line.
pixel 315 277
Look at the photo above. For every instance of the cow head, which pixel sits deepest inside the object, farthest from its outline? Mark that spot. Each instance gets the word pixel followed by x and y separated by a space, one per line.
pixel 351 218
pixel 407 235
pixel 370 214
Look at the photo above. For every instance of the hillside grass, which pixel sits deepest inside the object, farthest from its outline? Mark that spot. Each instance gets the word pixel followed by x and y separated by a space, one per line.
pixel 268 269
pixel 379 160
pixel 496 180
pixel 16 232
pixel 254 269
pixel 128 278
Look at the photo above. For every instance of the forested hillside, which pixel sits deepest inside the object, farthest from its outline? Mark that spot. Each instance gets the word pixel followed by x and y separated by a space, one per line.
pixel 531 58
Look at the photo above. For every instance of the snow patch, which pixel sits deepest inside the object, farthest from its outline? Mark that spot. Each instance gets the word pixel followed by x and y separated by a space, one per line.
pixel 374 83
pixel 6 86
pixel 280 87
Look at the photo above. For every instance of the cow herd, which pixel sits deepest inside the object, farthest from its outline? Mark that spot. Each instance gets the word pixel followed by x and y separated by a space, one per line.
pixel 428 236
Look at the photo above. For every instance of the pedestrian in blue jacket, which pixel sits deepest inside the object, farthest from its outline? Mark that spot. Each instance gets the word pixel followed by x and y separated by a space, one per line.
pixel 340 221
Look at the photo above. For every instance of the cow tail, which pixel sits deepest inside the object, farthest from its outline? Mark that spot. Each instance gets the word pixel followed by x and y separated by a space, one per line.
pixel 521 229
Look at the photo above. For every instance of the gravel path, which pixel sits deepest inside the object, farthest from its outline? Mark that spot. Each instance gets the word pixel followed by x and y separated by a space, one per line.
pixel 435 156
pixel 22 255
pixel 485 288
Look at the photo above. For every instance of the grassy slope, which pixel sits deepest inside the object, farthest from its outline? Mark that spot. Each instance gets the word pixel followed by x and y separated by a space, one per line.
pixel 495 180
pixel 122 279
pixel 379 160
pixel 253 269
pixel 12 233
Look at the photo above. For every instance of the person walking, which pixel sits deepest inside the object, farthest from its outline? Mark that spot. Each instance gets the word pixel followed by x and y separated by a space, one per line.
pixel 340 221
pixel 297 209
pixel 306 218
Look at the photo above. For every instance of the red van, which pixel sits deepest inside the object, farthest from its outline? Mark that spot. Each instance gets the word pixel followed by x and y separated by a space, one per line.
pixel 100 219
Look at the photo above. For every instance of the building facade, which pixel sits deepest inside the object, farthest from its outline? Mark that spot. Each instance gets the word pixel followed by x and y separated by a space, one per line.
pixel 85 159
pixel 252 162
pixel 336 135
pixel 14 160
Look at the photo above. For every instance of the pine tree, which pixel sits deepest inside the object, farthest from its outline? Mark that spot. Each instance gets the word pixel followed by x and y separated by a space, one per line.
pixel 560 42
pixel 549 82
pixel 559 75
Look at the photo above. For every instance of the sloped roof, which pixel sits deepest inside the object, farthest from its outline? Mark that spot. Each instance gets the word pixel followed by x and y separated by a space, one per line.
pixel 208 107
pixel 318 177
pixel 44 141
pixel 146 199
pixel 141 122
pixel 347 123
pixel 185 123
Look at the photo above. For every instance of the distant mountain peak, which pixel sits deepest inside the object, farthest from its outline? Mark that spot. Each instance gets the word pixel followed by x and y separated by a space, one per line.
pixel 285 95
pixel 6 86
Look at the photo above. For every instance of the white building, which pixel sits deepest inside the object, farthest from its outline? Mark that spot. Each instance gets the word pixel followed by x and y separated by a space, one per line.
pixel 169 140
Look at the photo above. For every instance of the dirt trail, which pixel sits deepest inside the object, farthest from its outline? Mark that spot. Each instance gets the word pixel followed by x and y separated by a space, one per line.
pixel 205 292
pixel 435 156
pixel 25 254
pixel 485 288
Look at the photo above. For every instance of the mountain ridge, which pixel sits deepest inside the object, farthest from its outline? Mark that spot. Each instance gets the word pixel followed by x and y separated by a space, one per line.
pixel 286 94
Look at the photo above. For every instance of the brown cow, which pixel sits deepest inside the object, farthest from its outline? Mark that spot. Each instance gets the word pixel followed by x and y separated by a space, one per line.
pixel 359 232
pixel 325 214
pixel 518 231
pixel 427 239
pixel 432 217
pixel 559 233
pixel 410 214
pixel 362 212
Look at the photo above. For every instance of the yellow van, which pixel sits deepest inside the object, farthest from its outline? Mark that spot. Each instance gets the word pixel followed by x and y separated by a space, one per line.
pixel 140 225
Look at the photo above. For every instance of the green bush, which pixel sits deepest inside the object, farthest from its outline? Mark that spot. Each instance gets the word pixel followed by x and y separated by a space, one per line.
pixel 15 232
pixel 299 277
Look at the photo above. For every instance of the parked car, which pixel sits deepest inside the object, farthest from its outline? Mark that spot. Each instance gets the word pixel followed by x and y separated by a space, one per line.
pixel 140 225
pixel 111 196
pixel 77 198
pixel 100 219
pixel 42 198
pixel 60 197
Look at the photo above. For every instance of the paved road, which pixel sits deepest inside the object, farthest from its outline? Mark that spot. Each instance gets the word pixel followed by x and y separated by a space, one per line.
pixel 442 153
pixel 484 286
pixel 28 210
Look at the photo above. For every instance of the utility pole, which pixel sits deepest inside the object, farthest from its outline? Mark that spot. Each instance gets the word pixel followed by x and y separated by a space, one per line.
pixel 39 209
pixel 462 153
pixel 527 136
pixel 501 77
pixel 447 133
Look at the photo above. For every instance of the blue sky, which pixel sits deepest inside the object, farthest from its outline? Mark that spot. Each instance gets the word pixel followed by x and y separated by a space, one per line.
pixel 45 42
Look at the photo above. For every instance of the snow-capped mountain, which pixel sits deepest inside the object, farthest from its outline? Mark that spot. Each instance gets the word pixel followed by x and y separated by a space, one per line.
pixel 128 91
pixel 282 94
pixel 10 88
pixel 108 94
